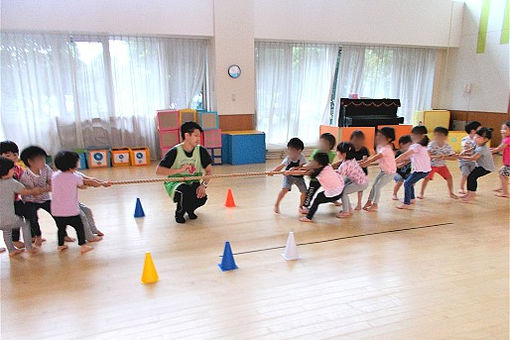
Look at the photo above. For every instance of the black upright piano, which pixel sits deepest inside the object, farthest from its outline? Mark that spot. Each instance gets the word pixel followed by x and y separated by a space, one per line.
pixel 369 112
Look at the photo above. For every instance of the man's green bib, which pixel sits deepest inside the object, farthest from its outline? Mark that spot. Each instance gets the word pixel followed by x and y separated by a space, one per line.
pixel 180 160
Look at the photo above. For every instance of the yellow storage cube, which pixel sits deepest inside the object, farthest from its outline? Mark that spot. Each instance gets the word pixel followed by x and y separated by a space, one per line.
pixel 431 119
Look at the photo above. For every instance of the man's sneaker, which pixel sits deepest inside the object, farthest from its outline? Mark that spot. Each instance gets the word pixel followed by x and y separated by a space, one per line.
pixel 192 215
pixel 180 219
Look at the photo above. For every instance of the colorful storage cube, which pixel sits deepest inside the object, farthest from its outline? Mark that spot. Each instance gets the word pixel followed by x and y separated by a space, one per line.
pixel 188 115
pixel 168 120
pixel 98 157
pixel 432 119
pixel 400 130
pixel 164 150
pixel 209 120
pixel 243 147
pixel 140 156
pixel 343 134
pixel 215 155
pixel 120 157
pixel 169 138
pixel 211 138
pixel 83 158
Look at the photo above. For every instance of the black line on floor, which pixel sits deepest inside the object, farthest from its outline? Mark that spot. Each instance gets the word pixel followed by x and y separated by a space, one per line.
pixel 345 238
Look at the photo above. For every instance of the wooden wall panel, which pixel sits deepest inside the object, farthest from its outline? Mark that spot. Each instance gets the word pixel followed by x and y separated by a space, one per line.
pixel 237 122
pixel 489 119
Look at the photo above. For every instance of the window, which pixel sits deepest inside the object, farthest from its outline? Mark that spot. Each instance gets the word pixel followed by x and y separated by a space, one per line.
pixel 82 90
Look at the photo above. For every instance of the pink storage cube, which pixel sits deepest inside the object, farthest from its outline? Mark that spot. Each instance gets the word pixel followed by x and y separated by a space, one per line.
pixel 169 138
pixel 211 138
pixel 169 120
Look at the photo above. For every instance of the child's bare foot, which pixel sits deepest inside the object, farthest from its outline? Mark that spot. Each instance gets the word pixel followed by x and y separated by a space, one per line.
pixel 96 239
pixel 367 205
pixel 343 215
pixel 38 241
pixel 462 191
pixel 61 248
pixel 403 206
pixel 420 196
pixel 276 209
pixel 452 195
pixel 305 219
pixel 86 249
pixel 99 233
pixel 18 244
pixel 358 207
pixel 33 251
pixel 394 197
pixel 372 208
pixel 2 249
pixel 337 203
pixel 303 210
pixel 69 239
pixel 500 194
pixel 16 252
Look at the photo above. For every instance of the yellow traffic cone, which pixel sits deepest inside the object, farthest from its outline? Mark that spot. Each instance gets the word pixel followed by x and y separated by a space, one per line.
pixel 149 275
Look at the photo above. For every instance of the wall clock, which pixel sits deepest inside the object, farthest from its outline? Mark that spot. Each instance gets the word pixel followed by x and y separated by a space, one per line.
pixel 234 71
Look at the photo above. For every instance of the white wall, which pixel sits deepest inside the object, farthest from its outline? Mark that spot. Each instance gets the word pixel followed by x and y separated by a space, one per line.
pixel 234 44
pixel 488 72
pixel 169 17
pixel 409 22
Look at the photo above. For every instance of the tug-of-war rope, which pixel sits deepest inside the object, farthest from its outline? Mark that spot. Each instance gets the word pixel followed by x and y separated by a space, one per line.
pixel 196 178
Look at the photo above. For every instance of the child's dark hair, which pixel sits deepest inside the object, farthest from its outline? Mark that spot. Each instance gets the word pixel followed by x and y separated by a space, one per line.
pixel 357 134
pixel 190 127
pixel 8 146
pixel 296 143
pixel 405 139
pixel 5 166
pixel 484 132
pixel 421 130
pixel 507 123
pixel 321 158
pixel 330 139
pixel 387 132
pixel 442 130
pixel 66 160
pixel 473 125
pixel 346 148
pixel 31 152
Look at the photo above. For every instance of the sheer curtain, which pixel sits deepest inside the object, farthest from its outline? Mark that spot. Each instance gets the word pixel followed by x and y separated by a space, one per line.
pixel 83 90
pixel 388 72
pixel 294 82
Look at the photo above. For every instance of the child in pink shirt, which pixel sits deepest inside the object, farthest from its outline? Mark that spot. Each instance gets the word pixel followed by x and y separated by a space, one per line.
pixel 65 207
pixel 504 172
pixel 420 161
pixel 355 178
pixel 384 139
pixel 330 180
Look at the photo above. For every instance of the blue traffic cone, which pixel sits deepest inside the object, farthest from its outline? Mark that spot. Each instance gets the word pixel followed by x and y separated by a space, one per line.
pixel 227 262
pixel 138 209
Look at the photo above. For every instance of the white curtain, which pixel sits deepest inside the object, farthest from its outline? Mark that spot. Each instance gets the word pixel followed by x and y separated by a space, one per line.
pixel 294 82
pixel 86 90
pixel 388 72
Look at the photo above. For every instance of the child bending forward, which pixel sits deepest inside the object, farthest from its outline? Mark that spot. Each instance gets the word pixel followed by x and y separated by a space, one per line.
pixel 329 179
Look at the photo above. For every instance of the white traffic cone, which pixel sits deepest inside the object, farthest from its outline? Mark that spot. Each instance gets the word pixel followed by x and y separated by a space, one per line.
pixel 291 252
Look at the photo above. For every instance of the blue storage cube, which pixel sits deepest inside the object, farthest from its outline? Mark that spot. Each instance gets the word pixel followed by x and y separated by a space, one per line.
pixel 244 147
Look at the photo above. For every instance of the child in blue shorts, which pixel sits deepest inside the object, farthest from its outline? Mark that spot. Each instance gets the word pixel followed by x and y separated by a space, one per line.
pixel 294 159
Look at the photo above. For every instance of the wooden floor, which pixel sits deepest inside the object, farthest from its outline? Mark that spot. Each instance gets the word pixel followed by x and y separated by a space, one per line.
pixel 449 279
